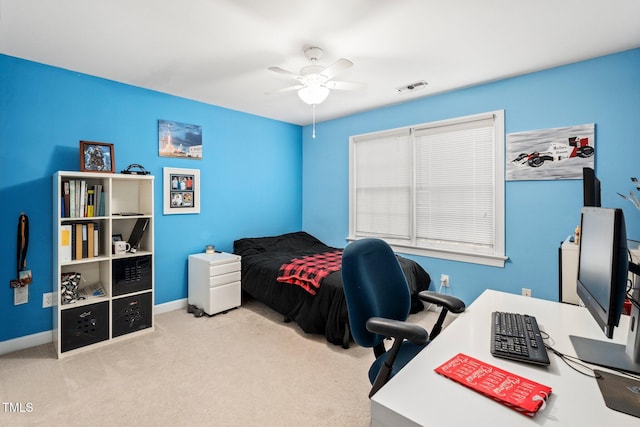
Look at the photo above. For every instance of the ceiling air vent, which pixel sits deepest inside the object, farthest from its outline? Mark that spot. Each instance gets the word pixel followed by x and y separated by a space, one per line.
pixel 412 87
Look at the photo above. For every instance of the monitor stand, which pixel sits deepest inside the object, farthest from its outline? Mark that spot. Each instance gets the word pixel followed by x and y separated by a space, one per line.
pixel 619 392
pixel 605 354
pixel 611 355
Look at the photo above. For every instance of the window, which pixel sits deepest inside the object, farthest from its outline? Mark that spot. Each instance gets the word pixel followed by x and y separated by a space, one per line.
pixel 435 189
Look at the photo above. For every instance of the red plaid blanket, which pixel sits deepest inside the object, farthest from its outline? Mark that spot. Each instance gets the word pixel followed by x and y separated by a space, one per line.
pixel 309 270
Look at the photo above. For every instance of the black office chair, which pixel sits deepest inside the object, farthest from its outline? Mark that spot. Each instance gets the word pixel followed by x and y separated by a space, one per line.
pixel 378 303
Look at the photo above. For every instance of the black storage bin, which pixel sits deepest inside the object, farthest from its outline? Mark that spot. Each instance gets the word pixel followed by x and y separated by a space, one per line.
pixel 131 314
pixel 84 325
pixel 131 275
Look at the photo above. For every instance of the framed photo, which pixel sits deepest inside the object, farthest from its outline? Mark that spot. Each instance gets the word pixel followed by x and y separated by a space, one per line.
pixel 181 191
pixel 180 140
pixel 97 157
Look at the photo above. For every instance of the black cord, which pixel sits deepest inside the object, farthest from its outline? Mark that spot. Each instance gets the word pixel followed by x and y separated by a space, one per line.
pixel 630 288
pixel 568 360
pixel 572 359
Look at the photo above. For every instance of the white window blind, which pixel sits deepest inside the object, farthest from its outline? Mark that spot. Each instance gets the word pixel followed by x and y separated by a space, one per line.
pixel 435 189
pixel 383 192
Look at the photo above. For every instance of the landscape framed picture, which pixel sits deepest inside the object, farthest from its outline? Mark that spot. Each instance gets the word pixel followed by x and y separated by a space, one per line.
pixel 550 154
pixel 181 191
pixel 97 157
pixel 180 140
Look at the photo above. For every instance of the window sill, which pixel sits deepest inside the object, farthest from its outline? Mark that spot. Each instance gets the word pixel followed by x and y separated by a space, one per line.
pixel 483 259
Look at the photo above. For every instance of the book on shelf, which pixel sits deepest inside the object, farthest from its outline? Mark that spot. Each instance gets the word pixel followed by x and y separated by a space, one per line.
pixel 72 199
pixel 83 240
pixel 96 234
pixel 80 199
pixel 90 236
pixel 66 199
pixel 97 190
pixel 138 231
pixel 65 242
pixel 101 206
pixel 77 238
pixel 512 390
pixel 75 195
pixel 91 291
pixel 90 203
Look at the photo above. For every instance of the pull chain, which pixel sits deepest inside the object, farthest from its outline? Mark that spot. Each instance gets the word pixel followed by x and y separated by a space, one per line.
pixel 313 133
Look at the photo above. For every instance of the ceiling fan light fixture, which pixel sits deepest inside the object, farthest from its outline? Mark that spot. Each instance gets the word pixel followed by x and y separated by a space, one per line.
pixel 313 94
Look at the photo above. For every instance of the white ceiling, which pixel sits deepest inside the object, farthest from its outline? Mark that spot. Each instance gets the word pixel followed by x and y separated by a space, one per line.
pixel 218 51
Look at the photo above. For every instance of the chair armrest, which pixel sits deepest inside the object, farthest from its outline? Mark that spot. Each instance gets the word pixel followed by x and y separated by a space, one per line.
pixel 398 329
pixel 451 303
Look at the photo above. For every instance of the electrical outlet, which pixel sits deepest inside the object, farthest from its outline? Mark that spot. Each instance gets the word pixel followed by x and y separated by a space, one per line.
pixel 47 300
pixel 444 280
pixel 526 292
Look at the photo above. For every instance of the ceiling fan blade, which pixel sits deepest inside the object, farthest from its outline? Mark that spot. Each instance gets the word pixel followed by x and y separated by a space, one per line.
pixel 339 66
pixel 286 89
pixel 286 73
pixel 345 85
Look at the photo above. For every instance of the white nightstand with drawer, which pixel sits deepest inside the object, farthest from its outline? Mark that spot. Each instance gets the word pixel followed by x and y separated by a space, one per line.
pixel 214 281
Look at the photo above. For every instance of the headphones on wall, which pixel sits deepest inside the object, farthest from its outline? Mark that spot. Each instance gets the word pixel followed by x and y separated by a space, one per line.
pixel 135 169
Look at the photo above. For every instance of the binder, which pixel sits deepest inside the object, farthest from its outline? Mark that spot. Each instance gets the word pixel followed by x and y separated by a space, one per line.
pixel 96 243
pixel 90 243
pixel 65 242
pixel 73 241
pixel 512 390
pixel 85 241
pixel 78 240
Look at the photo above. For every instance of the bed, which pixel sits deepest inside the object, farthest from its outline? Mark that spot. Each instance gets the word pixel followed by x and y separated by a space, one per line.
pixel 320 310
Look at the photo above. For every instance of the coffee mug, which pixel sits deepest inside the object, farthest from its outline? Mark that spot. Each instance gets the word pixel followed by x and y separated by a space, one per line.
pixel 121 247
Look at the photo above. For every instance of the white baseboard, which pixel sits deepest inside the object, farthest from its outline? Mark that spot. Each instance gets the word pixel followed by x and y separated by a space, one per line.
pixel 45 337
pixel 27 341
pixel 170 306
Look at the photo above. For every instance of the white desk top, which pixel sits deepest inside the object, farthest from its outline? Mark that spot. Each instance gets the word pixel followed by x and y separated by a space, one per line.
pixel 419 396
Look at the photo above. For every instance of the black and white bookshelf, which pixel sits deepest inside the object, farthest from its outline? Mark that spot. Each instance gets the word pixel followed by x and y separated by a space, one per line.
pixel 101 296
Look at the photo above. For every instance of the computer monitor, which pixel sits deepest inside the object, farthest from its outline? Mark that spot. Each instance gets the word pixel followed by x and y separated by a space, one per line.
pixel 590 188
pixel 603 268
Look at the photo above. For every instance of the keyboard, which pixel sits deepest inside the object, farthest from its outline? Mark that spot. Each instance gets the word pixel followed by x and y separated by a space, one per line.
pixel 517 337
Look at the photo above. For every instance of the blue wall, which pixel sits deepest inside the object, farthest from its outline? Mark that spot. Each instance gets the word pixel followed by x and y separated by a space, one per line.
pixel 539 214
pixel 46 111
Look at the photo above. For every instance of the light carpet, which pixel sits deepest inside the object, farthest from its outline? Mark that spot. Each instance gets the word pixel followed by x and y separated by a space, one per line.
pixel 242 368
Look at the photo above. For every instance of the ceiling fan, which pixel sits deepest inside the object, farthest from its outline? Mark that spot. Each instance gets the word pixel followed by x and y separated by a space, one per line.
pixel 315 81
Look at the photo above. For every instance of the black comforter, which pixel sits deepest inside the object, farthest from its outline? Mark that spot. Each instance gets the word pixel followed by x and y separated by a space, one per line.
pixel 324 313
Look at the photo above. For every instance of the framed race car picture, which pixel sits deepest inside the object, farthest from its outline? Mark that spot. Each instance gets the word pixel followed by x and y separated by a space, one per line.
pixel 549 154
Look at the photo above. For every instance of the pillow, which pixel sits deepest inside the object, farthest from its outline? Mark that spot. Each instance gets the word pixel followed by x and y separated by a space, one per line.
pixel 298 241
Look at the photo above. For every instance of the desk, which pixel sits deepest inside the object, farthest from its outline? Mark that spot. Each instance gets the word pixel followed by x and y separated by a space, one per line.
pixel 419 396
